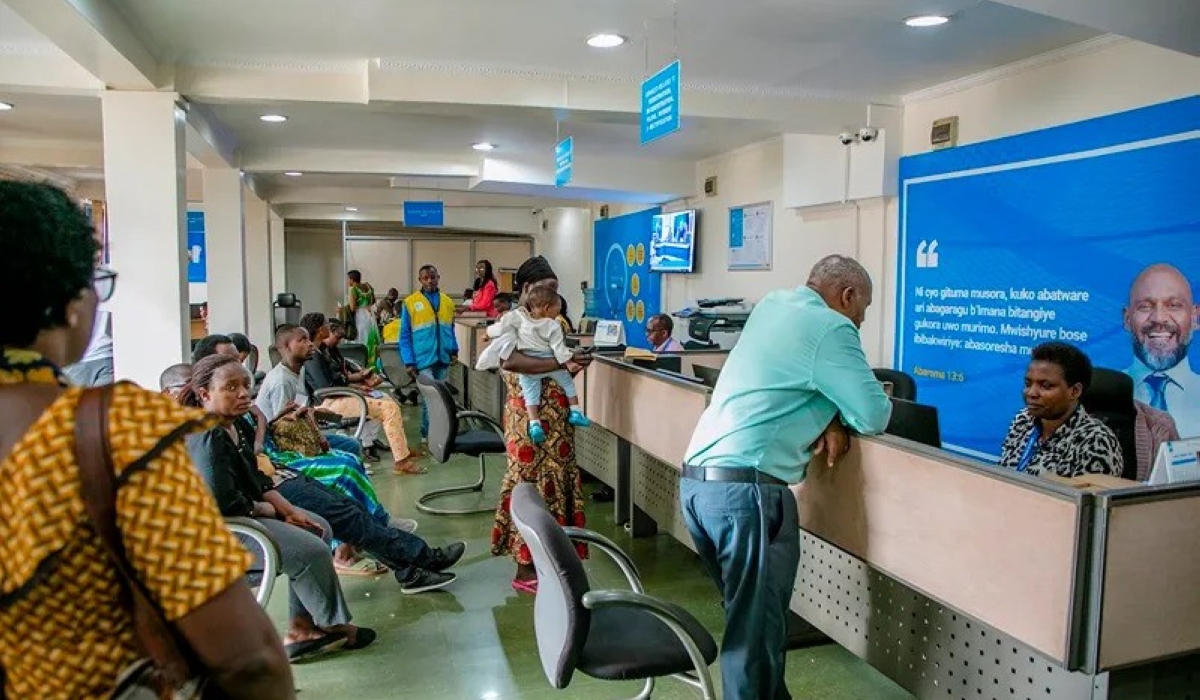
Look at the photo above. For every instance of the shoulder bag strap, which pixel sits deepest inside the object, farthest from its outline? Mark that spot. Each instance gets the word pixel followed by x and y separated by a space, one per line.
pixel 154 633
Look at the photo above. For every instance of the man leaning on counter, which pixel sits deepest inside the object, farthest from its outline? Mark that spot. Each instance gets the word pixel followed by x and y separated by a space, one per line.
pixel 794 382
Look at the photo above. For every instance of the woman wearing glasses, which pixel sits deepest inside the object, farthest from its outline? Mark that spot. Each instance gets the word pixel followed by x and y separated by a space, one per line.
pixel 54 570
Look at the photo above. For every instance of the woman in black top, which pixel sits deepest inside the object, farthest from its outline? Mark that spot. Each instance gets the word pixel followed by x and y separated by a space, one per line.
pixel 225 458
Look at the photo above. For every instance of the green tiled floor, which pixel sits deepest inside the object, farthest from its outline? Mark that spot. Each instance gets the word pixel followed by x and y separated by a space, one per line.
pixel 475 640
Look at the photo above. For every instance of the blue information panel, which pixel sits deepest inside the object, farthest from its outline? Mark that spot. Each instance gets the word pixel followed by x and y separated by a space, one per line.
pixel 1087 234
pixel 660 103
pixel 626 289
pixel 564 161
pixel 424 214
pixel 197 252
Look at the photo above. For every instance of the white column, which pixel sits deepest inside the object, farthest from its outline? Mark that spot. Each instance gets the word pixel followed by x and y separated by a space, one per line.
pixel 225 243
pixel 278 256
pixel 258 275
pixel 144 174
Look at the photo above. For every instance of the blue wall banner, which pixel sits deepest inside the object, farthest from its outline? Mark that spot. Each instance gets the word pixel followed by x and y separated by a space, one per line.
pixel 197 250
pixel 1087 233
pixel 564 161
pixel 626 289
pixel 424 214
pixel 660 103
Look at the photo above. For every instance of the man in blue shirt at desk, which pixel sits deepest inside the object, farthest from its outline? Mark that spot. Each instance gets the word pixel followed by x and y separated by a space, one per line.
pixel 793 383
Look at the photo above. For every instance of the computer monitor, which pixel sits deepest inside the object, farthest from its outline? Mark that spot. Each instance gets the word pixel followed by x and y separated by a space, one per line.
pixel 1177 462
pixel 671 363
pixel 916 422
pixel 708 375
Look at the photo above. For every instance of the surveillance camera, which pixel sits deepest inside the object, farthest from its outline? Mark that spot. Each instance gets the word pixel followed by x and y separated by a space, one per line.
pixel 847 138
pixel 868 134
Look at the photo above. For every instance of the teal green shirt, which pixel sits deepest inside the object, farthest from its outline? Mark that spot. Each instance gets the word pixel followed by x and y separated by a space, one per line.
pixel 797 365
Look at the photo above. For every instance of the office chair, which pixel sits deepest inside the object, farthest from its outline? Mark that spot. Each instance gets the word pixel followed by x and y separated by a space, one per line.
pixel 252 366
pixel 354 352
pixel 699 345
pixel 1110 398
pixel 274 356
pixel 395 372
pixel 265 569
pixel 446 439
pixel 903 385
pixel 606 634
pixel 708 375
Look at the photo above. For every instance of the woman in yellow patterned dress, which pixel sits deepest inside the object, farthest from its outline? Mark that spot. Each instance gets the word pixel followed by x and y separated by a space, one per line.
pixel 64 631
pixel 550 465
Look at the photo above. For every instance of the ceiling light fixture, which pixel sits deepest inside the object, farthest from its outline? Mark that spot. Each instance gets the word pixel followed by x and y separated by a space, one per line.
pixel 351 208
pixel 273 118
pixel 926 21
pixel 293 173
pixel 605 41
pixel 5 106
pixel 484 146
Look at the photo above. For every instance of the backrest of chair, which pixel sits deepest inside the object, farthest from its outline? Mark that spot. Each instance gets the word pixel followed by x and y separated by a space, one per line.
pixel 443 416
pixel 354 352
pixel 1110 398
pixel 393 367
pixel 560 622
pixel 252 359
pixel 903 385
pixel 273 353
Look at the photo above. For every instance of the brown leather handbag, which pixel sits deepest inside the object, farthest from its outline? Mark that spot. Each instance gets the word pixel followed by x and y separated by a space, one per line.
pixel 168 672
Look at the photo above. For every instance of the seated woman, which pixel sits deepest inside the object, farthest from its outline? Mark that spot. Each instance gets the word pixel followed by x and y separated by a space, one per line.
pixel 324 371
pixel 483 293
pixel 1053 433
pixel 224 457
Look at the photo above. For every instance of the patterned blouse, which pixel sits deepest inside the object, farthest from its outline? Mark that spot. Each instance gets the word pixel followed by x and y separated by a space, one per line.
pixel 1082 445
pixel 63 632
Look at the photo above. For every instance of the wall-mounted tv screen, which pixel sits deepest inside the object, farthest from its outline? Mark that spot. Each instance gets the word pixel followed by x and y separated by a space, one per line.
pixel 673 242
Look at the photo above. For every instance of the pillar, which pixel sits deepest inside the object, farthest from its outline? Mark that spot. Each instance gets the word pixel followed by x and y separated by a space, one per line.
pixel 278 256
pixel 225 241
pixel 259 325
pixel 145 186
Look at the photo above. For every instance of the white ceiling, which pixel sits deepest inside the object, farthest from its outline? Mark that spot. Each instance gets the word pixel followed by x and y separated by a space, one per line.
pixel 48 117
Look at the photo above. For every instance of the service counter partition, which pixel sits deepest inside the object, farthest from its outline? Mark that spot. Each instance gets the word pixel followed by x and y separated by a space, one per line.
pixel 954 578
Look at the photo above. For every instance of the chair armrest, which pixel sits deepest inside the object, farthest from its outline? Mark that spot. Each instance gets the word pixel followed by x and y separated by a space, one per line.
pixel 669 614
pixel 253 530
pixel 610 548
pixel 483 417
pixel 339 391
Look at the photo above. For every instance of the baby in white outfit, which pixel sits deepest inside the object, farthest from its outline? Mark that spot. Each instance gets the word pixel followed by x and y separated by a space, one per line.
pixel 539 334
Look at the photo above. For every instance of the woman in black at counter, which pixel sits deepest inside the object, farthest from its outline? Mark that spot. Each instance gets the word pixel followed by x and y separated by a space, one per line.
pixel 225 458
pixel 1053 433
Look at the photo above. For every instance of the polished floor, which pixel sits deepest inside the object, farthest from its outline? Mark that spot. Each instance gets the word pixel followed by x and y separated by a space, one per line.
pixel 474 641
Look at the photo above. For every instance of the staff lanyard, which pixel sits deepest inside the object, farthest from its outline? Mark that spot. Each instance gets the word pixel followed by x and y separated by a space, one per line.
pixel 1030 449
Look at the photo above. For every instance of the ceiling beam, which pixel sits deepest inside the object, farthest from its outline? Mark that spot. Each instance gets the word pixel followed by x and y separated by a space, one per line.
pixel 208 139
pixel 95 35
pixel 1171 24
pixel 41 153
pixel 384 197
pixel 364 162
pixel 46 72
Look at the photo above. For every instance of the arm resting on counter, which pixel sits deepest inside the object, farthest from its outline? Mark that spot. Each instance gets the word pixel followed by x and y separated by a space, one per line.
pixel 846 379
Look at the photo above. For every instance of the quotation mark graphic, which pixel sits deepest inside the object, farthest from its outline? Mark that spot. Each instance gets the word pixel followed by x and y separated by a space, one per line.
pixel 927 255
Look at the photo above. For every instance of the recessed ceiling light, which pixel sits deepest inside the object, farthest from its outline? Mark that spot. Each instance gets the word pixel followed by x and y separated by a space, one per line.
pixel 927 20
pixel 273 118
pixel 484 146
pixel 605 41
pixel 293 173
pixel 4 106
pixel 351 208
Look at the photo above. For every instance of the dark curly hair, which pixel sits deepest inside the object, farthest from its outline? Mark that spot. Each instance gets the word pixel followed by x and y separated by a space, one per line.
pixel 48 253
pixel 202 377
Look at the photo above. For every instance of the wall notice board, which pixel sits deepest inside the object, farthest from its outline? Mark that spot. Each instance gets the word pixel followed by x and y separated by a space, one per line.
pixel 750 231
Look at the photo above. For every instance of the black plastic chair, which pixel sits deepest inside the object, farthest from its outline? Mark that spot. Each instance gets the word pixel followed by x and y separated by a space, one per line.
pixel 903 385
pixel 273 354
pixel 446 439
pixel 606 634
pixel 1110 398
pixel 397 374
pixel 354 352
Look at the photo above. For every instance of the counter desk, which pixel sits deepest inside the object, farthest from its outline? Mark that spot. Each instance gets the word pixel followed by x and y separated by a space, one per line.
pixel 954 578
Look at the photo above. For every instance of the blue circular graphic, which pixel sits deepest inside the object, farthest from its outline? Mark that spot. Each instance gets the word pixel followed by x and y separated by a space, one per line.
pixel 616 280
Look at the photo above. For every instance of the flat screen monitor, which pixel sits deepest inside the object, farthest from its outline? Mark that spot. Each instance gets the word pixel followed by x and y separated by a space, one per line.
pixel 708 375
pixel 673 242
pixel 916 422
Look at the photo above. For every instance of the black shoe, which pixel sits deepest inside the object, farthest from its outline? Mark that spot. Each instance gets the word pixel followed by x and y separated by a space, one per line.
pixel 445 557
pixel 370 455
pixel 423 581
pixel 603 494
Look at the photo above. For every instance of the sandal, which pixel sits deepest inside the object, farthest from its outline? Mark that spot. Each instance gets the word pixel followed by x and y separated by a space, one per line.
pixel 297 651
pixel 363 636
pixel 529 586
pixel 362 567
pixel 409 467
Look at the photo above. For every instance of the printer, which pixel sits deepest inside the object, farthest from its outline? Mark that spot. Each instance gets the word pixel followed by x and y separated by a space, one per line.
pixel 714 323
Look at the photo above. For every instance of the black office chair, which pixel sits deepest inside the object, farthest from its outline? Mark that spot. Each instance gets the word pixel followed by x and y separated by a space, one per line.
pixel 1110 398
pixel 446 439
pixel 397 374
pixel 354 352
pixel 699 345
pixel 274 356
pixel 708 375
pixel 903 385
pixel 606 634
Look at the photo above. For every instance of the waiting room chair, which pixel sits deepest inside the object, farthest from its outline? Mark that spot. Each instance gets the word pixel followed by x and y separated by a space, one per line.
pixel 1110 398
pixel 447 438
pixel 354 352
pixel 606 634
pixel 316 396
pixel 266 555
pixel 274 356
pixel 903 385
pixel 396 373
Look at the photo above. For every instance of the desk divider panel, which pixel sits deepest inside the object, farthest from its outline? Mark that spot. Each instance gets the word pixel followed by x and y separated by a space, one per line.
pixel 995 549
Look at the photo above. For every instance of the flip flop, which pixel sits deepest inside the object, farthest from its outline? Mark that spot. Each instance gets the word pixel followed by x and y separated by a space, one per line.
pixel 363 636
pixel 529 586
pixel 362 567
pixel 297 651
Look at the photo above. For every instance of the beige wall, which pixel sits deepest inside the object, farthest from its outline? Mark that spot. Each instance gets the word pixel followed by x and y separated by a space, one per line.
pixel 314 267
pixel 567 243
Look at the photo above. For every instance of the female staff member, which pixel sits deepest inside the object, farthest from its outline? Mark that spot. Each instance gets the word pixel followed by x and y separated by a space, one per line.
pixel 362 305
pixel 485 289
pixel 54 570
pixel 551 464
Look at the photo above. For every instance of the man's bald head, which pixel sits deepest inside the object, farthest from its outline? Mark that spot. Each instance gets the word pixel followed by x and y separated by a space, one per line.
pixel 1161 316
pixel 844 284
